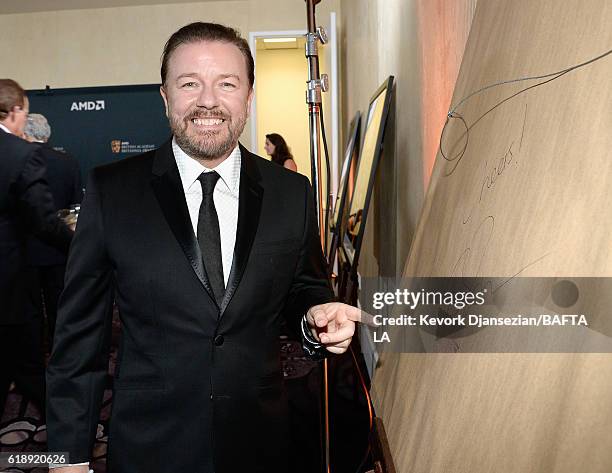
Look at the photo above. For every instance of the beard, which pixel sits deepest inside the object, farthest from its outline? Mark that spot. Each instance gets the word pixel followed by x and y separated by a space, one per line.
pixel 207 145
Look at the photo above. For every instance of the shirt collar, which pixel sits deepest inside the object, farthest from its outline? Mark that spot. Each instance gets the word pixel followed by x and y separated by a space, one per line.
pixel 190 169
pixel 5 129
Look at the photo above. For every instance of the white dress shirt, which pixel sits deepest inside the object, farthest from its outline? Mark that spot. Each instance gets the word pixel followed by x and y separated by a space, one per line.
pixel 2 127
pixel 225 196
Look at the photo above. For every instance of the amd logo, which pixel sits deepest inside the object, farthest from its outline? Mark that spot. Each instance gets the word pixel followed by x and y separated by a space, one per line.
pixel 89 105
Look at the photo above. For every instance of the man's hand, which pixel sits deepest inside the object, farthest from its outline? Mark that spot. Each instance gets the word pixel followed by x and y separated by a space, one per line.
pixel 333 324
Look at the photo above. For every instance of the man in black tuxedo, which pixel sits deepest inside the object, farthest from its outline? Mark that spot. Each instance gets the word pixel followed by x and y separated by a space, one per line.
pixel 46 263
pixel 26 206
pixel 209 248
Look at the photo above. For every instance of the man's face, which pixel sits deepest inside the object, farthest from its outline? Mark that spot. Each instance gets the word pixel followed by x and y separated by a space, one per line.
pixel 208 98
pixel 21 116
pixel 17 118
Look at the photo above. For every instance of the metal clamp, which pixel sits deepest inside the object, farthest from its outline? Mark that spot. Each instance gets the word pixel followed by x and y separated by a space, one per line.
pixel 312 41
pixel 315 87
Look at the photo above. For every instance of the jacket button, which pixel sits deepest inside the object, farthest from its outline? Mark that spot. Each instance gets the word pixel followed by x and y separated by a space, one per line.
pixel 219 340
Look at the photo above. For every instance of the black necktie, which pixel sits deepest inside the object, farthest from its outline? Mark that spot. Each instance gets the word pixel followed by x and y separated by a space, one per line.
pixel 209 238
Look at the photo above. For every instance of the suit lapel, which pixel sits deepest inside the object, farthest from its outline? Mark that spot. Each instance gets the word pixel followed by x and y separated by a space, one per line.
pixel 249 208
pixel 169 192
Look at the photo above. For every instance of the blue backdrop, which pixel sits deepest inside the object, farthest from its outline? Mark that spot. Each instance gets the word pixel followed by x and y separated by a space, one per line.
pixel 99 125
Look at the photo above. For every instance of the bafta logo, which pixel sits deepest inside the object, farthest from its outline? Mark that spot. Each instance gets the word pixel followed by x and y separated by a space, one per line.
pixel 116 146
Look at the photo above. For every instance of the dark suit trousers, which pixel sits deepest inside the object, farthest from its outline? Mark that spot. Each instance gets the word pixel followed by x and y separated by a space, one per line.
pixel 22 361
pixel 45 284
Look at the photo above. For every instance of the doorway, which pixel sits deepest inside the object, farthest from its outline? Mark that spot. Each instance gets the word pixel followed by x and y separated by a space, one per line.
pixel 280 106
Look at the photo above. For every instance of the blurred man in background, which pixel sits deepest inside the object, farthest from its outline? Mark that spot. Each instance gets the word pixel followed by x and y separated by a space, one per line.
pixel 26 206
pixel 46 263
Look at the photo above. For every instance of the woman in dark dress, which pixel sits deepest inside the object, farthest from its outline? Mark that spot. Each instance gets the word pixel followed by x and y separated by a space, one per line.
pixel 277 149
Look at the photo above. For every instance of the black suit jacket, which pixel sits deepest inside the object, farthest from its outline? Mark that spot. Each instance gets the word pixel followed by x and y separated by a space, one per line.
pixel 198 388
pixel 26 206
pixel 64 178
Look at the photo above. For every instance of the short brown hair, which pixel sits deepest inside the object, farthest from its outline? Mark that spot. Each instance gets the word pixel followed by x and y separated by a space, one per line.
pixel 200 31
pixel 11 95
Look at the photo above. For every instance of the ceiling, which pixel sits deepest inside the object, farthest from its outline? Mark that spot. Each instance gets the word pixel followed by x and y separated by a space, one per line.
pixel 29 6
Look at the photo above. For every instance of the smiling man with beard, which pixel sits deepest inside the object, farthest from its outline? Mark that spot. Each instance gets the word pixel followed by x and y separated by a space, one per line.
pixel 206 248
pixel 208 98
